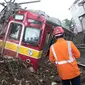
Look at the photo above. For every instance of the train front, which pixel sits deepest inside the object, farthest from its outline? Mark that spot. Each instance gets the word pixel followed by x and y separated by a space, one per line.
pixel 24 37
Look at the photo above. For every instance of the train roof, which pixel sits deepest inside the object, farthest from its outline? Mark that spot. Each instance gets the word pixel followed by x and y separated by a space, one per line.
pixel 52 20
pixel 49 19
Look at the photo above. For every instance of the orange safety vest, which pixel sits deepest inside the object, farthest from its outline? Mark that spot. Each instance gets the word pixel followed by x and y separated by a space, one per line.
pixel 63 53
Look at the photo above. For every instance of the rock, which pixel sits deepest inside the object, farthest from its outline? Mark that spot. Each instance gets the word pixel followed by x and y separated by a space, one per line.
pixel 53 83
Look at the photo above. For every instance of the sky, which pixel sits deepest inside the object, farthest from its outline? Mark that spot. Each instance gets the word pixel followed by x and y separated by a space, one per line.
pixel 54 8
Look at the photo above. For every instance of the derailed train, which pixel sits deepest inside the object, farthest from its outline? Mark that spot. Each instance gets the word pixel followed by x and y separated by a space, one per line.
pixel 28 35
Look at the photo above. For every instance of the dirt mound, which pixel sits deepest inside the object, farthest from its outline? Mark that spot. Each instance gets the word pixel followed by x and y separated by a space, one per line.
pixel 16 72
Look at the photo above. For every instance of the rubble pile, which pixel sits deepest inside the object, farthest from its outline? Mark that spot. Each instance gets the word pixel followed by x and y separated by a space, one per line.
pixel 17 73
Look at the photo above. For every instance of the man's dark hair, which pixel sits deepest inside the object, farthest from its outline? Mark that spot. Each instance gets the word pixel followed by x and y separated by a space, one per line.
pixel 59 36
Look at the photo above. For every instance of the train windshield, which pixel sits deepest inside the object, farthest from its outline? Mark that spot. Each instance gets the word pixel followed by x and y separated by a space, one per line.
pixel 15 30
pixel 32 35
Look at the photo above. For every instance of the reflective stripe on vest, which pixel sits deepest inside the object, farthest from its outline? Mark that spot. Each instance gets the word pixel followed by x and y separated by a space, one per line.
pixel 64 61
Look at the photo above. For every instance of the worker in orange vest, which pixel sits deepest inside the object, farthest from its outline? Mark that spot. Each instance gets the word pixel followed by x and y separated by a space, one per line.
pixel 64 53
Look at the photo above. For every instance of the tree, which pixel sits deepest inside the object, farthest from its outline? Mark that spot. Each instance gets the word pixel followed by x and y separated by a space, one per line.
pixel 67 23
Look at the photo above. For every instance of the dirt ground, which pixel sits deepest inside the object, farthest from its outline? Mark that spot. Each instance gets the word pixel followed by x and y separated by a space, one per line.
pixel 17 73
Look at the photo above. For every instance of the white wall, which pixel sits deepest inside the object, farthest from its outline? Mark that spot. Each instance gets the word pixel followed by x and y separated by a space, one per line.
pixel 76 12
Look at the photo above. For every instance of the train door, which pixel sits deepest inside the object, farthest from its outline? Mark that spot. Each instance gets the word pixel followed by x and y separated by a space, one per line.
pixel 48 41
pixel 13 38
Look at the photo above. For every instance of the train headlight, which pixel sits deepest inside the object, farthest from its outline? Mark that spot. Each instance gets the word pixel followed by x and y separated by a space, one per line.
pixel 30 52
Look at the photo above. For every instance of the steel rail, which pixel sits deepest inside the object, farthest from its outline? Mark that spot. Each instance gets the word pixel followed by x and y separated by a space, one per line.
pixel 80 64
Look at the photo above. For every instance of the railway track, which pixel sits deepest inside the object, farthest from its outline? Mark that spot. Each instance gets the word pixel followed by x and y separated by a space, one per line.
pixel 82 70
pixel 81 62
pixel 81 46
pixel 81 65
